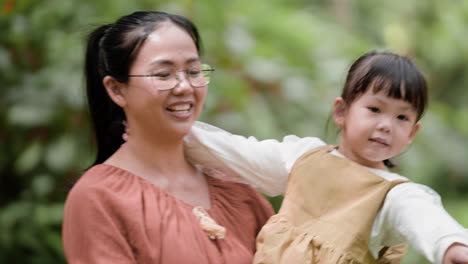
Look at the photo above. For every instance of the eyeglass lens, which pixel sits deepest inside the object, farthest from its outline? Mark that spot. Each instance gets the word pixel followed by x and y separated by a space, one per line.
pixel 168 77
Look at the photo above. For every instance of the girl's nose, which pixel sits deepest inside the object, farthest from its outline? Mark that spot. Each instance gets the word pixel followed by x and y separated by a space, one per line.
pixel 385 124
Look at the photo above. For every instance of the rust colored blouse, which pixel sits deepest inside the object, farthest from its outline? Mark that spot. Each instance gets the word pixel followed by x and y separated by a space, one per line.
pixel 113 216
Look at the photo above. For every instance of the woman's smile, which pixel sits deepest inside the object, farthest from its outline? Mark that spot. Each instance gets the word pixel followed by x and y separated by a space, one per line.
pixel 181 110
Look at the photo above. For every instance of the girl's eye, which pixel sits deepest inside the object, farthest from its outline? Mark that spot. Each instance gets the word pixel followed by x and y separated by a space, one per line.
pixel 402 117
pixel 373 109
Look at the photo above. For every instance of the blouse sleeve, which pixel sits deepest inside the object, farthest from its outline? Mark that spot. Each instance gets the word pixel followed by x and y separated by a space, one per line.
pixel 264 165
pixel 413 213
pixel 91 233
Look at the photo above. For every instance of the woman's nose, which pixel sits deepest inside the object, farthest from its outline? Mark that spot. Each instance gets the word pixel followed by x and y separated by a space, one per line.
pixel 183 85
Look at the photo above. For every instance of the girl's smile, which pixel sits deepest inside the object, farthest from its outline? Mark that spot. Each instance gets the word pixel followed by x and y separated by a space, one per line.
pixel 379 142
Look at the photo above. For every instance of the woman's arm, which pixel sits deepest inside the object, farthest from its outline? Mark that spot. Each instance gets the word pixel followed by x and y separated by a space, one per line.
pixel 265 164
pixel 413 213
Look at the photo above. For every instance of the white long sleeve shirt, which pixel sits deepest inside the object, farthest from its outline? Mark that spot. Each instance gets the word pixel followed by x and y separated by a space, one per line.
pixel 412 213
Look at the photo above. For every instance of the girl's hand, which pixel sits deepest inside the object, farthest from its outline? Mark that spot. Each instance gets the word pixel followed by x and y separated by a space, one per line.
pixel 456 254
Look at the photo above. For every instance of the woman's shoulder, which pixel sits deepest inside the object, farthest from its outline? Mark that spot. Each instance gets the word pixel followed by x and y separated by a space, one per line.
pixel 235 193
pixel 238 201
pixel 104 184
pixel 225 185
pixel 106 177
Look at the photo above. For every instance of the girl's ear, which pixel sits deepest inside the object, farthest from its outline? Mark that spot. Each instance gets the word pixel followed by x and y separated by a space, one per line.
pixel 115 91
pixel 339 111
pixel 413 133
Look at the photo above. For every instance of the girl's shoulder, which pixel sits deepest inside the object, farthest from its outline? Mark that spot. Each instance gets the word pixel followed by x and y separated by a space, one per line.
pixel 388 175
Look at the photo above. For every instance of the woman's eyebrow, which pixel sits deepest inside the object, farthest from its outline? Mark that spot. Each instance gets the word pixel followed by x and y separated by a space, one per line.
pixel 162 62
pixel 169 62
pixel 192 60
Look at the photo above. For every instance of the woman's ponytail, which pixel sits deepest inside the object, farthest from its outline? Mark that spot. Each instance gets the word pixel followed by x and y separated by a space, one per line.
pixel 106 116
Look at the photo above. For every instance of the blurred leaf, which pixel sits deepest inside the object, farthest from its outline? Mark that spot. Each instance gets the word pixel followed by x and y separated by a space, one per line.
pixel 42 185
pixel 28 115
pixel 49 214
pixel 60 153
pixel 29 158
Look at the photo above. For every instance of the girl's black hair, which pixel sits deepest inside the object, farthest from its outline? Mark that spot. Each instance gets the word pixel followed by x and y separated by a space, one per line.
pixel 111 50
pixel 394 74
pixel 397 75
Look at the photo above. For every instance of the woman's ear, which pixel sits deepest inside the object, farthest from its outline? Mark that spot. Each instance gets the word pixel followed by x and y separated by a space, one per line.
pixel 339 111
pixel 115 91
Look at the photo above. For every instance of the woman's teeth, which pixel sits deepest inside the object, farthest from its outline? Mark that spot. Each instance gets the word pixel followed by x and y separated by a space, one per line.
pixel 181 107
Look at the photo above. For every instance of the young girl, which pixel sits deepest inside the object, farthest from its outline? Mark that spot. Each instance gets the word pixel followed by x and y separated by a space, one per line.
pixel 341 204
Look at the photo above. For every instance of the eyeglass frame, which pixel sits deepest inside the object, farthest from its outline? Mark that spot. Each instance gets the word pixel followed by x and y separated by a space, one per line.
pixel 210 69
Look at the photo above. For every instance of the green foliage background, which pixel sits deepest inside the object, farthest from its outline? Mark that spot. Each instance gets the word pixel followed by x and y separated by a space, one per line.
pixel 279 64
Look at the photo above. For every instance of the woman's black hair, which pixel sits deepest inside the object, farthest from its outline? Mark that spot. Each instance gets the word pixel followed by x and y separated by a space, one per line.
pixel 111 51
pixel 394 74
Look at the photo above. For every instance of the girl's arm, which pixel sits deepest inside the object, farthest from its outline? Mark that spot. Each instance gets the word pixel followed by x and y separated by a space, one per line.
pixel 265 165
pixel 413 213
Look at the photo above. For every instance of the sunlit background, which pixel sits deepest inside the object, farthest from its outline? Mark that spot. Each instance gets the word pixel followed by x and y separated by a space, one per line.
pixel 279 65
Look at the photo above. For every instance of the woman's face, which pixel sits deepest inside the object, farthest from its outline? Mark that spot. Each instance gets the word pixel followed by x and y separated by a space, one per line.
pixel 163 113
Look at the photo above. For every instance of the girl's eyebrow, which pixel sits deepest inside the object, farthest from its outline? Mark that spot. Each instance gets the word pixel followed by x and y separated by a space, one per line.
pixel 400 108
pixel 404 108
pixel 378 99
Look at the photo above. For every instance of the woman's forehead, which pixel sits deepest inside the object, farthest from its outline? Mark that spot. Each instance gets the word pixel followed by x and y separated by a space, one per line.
pixel 168 45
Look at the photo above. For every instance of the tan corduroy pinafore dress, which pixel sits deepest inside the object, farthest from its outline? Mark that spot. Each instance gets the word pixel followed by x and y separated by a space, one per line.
pixel 327 214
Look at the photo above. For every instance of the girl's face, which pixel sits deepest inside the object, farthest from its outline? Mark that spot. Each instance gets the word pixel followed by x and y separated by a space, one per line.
pixel 375 127
pixel 163 113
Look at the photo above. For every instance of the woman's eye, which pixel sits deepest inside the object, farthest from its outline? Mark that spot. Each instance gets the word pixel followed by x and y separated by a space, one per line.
pixel 162 75
pixel 374 109
pixel 193 73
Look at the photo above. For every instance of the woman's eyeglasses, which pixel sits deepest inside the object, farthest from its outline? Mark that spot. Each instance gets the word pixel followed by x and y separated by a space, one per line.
pixel 167 78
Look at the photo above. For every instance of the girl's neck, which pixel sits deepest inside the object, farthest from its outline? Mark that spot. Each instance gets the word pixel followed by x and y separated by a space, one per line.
pixel 352 155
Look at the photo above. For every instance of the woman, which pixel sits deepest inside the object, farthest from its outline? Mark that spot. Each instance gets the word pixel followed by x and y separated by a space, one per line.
pixel 142 201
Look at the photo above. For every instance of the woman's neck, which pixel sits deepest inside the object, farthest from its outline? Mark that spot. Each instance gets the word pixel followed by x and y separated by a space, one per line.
pixel 152 158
